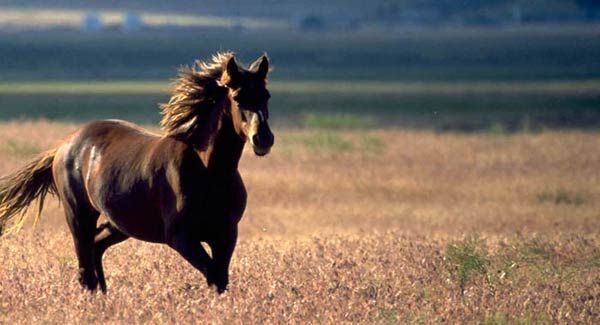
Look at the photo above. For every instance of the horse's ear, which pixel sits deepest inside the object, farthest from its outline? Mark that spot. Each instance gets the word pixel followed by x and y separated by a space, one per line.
pixel 232 72
pixel 261 65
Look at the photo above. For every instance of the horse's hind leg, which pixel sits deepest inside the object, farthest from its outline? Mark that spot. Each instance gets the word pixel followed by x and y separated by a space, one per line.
pixel 79 212
pixel 82 223
pixel 107 236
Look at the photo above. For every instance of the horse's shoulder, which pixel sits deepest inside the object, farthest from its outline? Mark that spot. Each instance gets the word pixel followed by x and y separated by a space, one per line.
pixel 178 157
pixel 175 150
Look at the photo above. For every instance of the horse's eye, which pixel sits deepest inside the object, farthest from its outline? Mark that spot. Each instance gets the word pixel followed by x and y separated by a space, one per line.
pixel 241 97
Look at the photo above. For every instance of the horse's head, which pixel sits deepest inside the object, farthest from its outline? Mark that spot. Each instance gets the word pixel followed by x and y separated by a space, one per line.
pixel 249 98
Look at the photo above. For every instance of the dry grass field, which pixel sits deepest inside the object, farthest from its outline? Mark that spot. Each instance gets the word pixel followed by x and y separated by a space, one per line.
pixel 356 226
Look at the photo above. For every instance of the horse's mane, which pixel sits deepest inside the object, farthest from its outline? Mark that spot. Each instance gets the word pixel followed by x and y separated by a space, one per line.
pixel 193 113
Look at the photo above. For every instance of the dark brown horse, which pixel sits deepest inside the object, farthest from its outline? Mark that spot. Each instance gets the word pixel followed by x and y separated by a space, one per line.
pixel 180 189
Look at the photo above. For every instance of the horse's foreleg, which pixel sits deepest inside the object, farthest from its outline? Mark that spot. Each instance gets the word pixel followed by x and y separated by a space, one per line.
pixel 192 251
pixel 222 250
pixel 107 235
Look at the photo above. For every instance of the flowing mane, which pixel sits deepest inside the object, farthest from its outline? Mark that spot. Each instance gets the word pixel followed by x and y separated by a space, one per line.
pixel 193 113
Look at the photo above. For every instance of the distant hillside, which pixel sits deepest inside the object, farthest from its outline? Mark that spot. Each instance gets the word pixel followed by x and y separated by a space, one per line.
pixel 375 11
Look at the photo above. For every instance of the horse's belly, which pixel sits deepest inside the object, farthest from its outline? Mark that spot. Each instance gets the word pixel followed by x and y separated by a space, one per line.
pixel 137 219
pixel 147 229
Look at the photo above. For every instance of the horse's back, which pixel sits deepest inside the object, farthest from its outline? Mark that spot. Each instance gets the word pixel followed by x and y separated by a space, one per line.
pixel 104 140
pixel 128 174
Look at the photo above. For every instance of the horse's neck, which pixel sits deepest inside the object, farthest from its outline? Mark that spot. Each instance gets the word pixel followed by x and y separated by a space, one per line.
pixel 223 155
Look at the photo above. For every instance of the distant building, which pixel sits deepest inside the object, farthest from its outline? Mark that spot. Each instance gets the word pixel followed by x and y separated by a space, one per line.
pixel 91 22
pixel 132 22
pixel 311 24
pixel 517 16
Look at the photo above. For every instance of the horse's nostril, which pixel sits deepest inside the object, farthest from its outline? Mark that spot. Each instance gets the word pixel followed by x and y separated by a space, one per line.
pixel 269 139
pixel 256 139
pixel 263 138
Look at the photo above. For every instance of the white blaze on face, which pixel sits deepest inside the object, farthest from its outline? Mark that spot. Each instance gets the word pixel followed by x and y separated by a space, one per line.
pixel 261 117
pixel 257 118
pixel 255 123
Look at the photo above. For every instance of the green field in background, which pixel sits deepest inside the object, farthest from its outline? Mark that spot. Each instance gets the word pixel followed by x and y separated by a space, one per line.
pixel 461 106
pixel 333 87
pixel 464 79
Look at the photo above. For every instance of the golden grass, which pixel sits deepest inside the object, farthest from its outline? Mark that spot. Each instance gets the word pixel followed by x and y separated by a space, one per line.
pixel 353 235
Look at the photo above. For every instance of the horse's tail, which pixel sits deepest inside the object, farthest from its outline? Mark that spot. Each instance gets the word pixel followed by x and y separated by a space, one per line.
pixel 19 189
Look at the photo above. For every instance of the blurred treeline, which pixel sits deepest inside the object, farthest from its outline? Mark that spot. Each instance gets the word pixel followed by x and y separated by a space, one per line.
pixel 356 12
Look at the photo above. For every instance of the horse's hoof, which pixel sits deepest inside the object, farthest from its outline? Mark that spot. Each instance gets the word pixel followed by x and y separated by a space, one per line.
pixel 218 289
pixel 89 284
pixel 221 289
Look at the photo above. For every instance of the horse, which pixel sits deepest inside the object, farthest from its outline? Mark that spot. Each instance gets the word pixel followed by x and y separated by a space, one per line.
pixel 181 188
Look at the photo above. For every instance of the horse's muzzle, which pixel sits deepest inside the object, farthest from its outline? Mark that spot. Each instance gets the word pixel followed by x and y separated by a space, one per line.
pixel 261 151
pixel 262 140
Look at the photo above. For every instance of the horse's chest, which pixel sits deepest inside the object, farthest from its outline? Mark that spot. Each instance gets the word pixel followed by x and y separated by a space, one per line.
pixel 222 201
pixel 225 202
